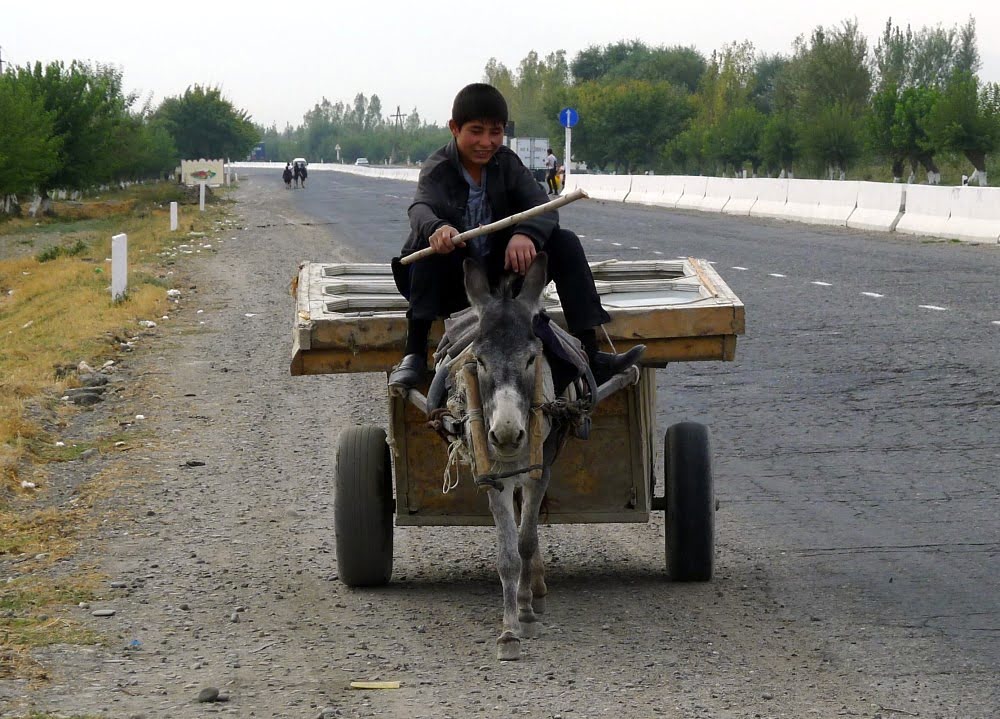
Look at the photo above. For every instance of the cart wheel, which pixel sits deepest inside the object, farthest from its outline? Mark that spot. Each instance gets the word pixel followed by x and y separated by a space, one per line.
pixel 690 523
pixel 362 510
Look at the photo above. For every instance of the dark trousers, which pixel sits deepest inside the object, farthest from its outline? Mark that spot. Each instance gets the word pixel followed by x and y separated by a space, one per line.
pixel 437 288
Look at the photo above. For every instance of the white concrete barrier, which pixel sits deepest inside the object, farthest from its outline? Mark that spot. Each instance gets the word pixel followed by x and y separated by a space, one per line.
pixel 742 196
pixel 880 206
pixel 717 193
pixel 928 208
pixel 803 197
pixel 975 215
pixel 658 190
pixel 647 190
pixel 772 194
pixel 613 188
pixel 837 201
pixel 694 193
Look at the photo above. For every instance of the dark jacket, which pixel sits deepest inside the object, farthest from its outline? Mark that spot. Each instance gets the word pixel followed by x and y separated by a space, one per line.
pixel 442 194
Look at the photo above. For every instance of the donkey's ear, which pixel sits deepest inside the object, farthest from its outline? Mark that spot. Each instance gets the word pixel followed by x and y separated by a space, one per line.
pixel 534 282
pixel 477 285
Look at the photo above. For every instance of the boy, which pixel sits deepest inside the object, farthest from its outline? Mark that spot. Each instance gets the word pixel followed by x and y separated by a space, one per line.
pixel 475 180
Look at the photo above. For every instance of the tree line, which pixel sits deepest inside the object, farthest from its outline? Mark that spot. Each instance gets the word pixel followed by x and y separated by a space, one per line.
pixel 74 126
pixel 360 129
pixel 832 104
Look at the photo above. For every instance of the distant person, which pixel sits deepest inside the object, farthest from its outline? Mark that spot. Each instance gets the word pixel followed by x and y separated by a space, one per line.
pixel 287 176
pixel 476 180
pixel 551 165
pixel 300 174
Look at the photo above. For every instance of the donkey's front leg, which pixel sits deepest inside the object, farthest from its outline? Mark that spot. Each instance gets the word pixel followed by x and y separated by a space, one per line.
pixel 509 567
pixel 532 578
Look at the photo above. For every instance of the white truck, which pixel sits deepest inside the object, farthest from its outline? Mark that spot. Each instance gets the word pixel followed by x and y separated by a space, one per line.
pixel 531 150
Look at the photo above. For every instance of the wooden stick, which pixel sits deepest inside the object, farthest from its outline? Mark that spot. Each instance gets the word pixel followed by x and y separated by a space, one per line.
pixel 535 424
pixel 555 204
pixel 480 449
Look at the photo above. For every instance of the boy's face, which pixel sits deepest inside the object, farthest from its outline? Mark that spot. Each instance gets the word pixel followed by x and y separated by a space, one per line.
pixel 477 140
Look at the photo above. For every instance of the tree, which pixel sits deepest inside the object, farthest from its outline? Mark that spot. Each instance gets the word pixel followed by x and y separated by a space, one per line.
pixel 633 60
pixel 625 125
pixel 29 149
pixel 736 138
pixel 831 69
pixel 204 124
pixel 533 92
pixel 832 139
pixel 779 144
pixel 895 128
pixel 87 105
pixel 966 120
pixel 909 135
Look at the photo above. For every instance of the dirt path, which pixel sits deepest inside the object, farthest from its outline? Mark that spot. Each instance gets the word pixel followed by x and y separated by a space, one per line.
pixel 229 568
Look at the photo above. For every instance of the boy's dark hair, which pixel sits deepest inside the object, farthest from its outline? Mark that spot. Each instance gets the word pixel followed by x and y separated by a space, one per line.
pixel 479 101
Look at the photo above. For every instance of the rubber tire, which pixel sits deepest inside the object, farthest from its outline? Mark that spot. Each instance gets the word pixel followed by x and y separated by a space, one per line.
pixel 690 520
pixel 363 507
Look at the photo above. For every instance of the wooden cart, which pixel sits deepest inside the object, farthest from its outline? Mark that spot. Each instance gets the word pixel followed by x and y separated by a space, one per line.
pixel 351 319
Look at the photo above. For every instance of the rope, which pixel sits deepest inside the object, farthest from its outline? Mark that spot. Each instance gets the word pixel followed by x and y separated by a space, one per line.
pixel 457 454
pixel 608 338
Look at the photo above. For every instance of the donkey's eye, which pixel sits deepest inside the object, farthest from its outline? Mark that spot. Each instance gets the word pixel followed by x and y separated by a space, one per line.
pixel 531 361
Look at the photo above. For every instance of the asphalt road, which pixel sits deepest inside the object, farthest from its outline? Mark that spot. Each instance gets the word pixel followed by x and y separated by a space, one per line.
pixel 857 435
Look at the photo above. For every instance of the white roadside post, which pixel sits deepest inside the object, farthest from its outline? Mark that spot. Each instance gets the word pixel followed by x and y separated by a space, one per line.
pixel 119 266
pixel 568 117
pixel 201 196
pixel 173 216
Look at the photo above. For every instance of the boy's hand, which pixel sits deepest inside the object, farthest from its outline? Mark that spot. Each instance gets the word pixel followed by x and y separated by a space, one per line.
pixel 441 240
pixel 520 254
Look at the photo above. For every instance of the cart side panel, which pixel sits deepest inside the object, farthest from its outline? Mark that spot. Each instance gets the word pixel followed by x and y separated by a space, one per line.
pixel 602 479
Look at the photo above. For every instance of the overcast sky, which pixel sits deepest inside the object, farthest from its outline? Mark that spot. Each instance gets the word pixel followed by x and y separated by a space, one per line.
pixel 277 59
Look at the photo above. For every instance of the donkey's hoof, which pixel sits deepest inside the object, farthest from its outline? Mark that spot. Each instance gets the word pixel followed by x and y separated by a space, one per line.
pixel 530 629
pixel 538 605
pixel 508 647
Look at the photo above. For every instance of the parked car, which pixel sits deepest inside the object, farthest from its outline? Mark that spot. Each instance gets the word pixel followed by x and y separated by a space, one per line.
pixel 361 161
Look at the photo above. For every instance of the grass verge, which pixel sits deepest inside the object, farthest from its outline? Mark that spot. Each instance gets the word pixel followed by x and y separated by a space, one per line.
pixel 56 311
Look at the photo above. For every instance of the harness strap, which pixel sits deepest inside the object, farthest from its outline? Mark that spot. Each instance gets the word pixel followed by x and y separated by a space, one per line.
pixel 493 480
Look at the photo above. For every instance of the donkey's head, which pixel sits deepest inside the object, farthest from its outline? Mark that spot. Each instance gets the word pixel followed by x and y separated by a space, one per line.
pixel 506 351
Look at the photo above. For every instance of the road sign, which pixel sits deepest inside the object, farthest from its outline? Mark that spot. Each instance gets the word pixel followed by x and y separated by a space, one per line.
pixel 568 117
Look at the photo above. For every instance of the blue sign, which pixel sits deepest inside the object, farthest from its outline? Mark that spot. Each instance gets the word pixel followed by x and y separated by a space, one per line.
pixel 568 117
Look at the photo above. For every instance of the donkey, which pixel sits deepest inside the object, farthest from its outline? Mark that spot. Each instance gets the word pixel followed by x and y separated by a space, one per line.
pixel 506 351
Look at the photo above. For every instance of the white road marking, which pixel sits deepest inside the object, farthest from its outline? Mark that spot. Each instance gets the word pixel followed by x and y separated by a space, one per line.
pixel 872 294
pixel 777 274
pixel 657 252
pixel 995 322
pixel 617 244
pixel 633 248
pixel 741 269
pixel 821 284
pixel 933 307
pixel 598 239
pixel 582 237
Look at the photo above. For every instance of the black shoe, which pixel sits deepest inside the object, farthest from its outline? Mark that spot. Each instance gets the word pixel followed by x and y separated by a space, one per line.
pixel 409 372
pixel 606 365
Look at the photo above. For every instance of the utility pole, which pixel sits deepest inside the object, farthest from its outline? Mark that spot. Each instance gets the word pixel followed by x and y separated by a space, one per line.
pixel 1 60
pixel 399 129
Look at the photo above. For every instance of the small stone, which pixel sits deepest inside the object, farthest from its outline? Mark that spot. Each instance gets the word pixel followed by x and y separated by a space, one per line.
pixel 767 695
pixel 234 618
pixel 185 607
pixel 103 613
pixel 119 585
pixel 208 694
